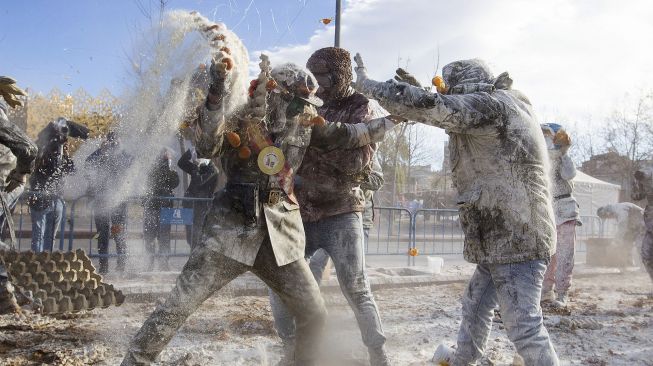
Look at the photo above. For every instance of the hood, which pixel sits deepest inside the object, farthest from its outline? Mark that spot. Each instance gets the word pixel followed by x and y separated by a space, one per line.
pixel 473 75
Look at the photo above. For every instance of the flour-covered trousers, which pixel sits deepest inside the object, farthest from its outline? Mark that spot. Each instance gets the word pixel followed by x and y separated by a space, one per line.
pixel 647 253
pixel 516 289
pixel 341 237
pixel 562 263
pixel 207 272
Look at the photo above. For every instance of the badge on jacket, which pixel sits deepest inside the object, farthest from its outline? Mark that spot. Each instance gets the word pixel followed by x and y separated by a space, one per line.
pixel 271 160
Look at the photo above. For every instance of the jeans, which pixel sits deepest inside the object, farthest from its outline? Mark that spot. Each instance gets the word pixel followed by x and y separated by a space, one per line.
pixel 207 272
pixel 341 237
pixel 515 287
pixel 45 224
pixel 110 222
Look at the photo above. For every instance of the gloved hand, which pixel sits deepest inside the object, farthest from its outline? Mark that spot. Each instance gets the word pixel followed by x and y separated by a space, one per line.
pixel 9 91
pixel 406 77
pixel 361 71
pixel 15 180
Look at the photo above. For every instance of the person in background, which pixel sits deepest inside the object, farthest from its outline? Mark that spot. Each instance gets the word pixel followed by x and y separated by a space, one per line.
pixel 643 189
pixel 105 172
pixel 203 182
pixel 47 184
pixel 567 215
pixel 161 182
pixel 630 224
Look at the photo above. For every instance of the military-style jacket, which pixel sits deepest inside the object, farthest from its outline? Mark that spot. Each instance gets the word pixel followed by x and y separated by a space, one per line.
pixel 563 171
pixel 498 160
pixel 20 145
pixel 330 180
pixel 229 227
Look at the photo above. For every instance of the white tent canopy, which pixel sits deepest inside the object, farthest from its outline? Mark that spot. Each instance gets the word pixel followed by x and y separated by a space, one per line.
pixel 592 193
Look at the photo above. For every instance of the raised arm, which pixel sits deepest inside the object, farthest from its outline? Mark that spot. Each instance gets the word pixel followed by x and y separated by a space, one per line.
pixel 457 113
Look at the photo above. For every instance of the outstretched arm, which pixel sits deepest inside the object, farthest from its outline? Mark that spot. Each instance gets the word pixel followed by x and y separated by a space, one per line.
pixel 337 135
pixel 457 113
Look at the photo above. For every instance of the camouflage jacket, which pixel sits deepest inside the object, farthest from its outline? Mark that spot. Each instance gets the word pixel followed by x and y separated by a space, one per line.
pixel 330 180
pixel 20 145
pixel 243 213
pixel 499 165
pixel 563 171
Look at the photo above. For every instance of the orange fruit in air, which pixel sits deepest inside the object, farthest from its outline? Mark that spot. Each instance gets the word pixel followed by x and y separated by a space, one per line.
pixel 270 85
pixel 413 252
pixel 228 62
pixel 439 84
pixel 226 50
pixel 318 121
pixel 244 152
pixel 219 37
pixel 212 27
pixel 233 138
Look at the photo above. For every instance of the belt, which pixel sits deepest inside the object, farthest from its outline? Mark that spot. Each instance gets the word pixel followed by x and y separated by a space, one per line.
pixel 562 196
pixel 272 196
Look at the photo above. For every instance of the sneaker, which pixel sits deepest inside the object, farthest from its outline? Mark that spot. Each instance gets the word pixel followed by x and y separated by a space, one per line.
pixel 561 301
pixel 378 357
pixel 443 355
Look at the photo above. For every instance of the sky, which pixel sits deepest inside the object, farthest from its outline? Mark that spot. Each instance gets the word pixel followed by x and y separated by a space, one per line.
pixel 575 60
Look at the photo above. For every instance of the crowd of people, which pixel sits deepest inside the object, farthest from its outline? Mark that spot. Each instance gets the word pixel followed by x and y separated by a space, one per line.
pixel 299 161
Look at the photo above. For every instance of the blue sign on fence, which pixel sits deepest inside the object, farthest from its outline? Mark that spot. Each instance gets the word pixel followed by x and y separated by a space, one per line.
pixel 176 216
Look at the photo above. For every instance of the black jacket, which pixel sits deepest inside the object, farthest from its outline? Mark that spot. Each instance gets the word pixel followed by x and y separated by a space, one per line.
pixel 203 179
pixel 161 182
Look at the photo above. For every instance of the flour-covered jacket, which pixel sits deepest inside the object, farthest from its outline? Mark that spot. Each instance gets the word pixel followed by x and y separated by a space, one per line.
pixel 499 165
pixel 228 228
pixel 563 171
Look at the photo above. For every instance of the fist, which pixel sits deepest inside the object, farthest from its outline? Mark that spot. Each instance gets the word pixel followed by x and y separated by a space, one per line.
pixel 361 72
pixel 10 91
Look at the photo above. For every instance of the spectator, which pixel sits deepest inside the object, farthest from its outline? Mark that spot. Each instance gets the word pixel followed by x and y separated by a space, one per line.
pixel 161 182
pixel 106 168
pixel 203 181
pixel 46 197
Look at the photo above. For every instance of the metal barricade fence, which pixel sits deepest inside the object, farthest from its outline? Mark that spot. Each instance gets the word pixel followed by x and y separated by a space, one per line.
pixel 391 234
pixel 396 230
pixel 182 228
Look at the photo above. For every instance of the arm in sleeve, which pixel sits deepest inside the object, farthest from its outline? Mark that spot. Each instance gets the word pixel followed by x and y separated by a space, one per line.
pixel 460 113
pixel 567 168
pixel 185 164
pixel 337 135
pixel 19 144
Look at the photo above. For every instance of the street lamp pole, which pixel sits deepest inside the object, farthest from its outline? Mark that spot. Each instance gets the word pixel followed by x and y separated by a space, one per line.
pixel 337 39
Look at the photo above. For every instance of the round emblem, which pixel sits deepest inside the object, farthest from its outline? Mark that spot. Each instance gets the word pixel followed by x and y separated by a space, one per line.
pixel 271 160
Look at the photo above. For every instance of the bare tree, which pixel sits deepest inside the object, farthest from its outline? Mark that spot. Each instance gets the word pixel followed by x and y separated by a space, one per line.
pixel 629 130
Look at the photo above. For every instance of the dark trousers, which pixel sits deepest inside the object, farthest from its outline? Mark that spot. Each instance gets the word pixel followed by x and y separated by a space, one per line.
pixel 154 231
pixel 112 222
